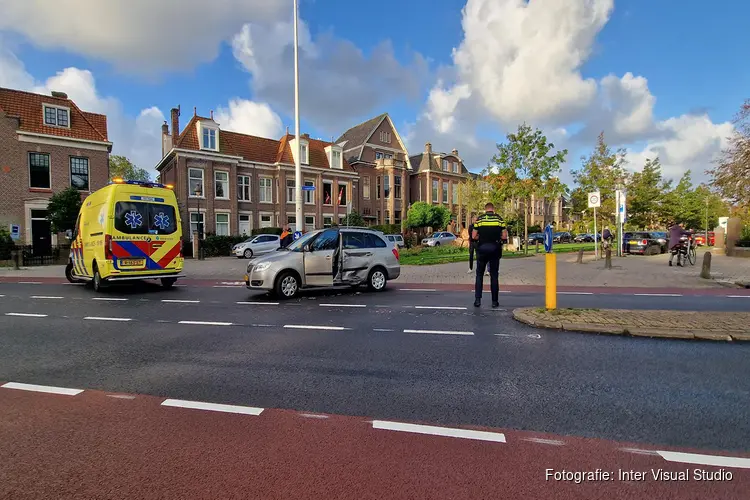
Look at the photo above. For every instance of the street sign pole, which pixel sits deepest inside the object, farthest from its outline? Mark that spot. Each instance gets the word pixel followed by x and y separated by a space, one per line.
pixel 595 201
pixel 596 237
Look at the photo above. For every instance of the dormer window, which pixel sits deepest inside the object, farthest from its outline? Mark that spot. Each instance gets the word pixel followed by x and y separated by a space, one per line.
pixel 335 156
pixel 335 159
pixel 56 116
pixel 209 138
pixel 385 137
pixel 208 133
pixel 303 153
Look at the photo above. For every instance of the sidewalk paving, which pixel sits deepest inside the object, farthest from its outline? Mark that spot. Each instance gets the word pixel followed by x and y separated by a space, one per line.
pixel 627 272
pixel 725 326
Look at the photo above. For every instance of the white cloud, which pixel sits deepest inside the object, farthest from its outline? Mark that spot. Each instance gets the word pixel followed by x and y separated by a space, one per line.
pixel 137 35
pixel 338 82
pixel 248 117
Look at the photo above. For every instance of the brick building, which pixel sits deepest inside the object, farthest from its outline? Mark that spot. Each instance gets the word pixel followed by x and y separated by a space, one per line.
pixel 47 144
pixel 233 183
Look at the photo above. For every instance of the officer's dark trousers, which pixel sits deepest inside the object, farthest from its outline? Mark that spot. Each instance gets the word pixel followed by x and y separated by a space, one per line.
pixel 487 255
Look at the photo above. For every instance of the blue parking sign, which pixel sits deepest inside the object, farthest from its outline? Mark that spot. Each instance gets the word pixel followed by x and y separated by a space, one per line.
pixel 297 235
pixel 15 231
pixel 548 238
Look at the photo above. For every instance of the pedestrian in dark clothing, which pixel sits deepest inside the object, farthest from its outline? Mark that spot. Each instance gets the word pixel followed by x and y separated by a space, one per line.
pixel 489 232
pixel 287 238
pixel 472 246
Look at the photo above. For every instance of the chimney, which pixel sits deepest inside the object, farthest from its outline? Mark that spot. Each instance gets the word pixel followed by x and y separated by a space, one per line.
pixel 212 114
pixel 175 122
pixel 166 139
pixel 305 136
pixel 195 110
pixel 428 149
pixel 455 153
pixel 61 95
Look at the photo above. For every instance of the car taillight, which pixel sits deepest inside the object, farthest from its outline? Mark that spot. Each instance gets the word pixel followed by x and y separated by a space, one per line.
pixel 108 247
pixel 182 247
pixel 644 242
pixel 395 252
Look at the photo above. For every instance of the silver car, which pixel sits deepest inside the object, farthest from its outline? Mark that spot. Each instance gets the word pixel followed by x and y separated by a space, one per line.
pixel 437 239
pixel 326 257
pixel 257 245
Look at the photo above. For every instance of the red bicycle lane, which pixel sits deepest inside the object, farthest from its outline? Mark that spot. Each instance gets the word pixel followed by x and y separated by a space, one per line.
pixel 102 445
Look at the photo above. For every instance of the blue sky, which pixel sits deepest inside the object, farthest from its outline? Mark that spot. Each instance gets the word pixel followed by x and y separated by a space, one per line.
pixel 683 50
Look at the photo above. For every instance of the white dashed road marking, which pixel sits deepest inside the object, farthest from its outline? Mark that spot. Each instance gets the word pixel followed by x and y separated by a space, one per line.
pixel 439 332
pixel 638 451
pixel 205 323
pixel 101 318
pixel 42 388
pixel 29 282
pixel 314 327
pixel 738 296
pixel 343 305
pixel 177 301
pixel 27 315
pixel 109 299
pixel 383 330
pixel 657 295
pixel 197 405
pixel 715 460
pixel 553 442
pixel 417 290
pixel 46 297
pixel 449 308
pixel 496 437
pixel 258 303
pixel 575 293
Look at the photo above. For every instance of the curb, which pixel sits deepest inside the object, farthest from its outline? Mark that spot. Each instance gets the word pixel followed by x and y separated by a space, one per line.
pixel 522 316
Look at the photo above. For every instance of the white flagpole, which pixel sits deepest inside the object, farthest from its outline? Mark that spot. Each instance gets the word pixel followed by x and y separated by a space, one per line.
pixel 300 218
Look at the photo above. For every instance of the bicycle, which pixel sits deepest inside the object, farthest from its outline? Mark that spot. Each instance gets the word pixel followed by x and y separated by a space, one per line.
pixel 692 253
pixel 686 251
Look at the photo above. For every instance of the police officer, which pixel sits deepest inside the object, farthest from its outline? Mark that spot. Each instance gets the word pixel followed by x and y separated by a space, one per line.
pixel 489 232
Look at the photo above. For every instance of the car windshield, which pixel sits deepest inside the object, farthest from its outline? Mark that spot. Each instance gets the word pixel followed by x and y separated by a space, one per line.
pixel 298 245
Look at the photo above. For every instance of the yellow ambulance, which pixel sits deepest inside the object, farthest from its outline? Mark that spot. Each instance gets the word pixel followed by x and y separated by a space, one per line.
pixel 127 230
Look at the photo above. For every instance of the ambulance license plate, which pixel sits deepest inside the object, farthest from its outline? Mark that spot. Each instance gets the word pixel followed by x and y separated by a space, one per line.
pixel 132 262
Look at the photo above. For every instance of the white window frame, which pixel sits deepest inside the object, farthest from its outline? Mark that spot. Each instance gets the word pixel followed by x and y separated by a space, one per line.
pixel 260 219
pixel 309 226
pixel 454 193
pixel 333 194
pixel 88 172
pixel 291 194
pixel 249 221
pixel 435 190
pixel 309 195
pixel 49 169
pixel 387 187
pixel 265 189
pixel 446 165
pixel 304 153
pixel 203 183
pixel 244 185
pixel 210 129
pixel 397 193
pixel 445 190
pixel 388 156
pixel 346 193
pixel 379 155
pixel 57 110
pixel 455 167
pixel 385 137
pixel 291 221
pixel 227 223
pixel 225 184
pixel 336 159
pixel 366 187
pixel 201 218
pixel 329 218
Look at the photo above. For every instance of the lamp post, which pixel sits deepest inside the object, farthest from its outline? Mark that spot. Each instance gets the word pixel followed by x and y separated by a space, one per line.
pixel 299 219
pixel 707 241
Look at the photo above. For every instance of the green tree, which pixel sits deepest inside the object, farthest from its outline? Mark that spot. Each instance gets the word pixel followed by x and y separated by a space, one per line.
pixel 524 166
pixel 119 166
pixel 353 219
pixel 63 209
pixel 602 171
pixel 474 194
pixel 423 215
pixel 645 196
pixel 731 174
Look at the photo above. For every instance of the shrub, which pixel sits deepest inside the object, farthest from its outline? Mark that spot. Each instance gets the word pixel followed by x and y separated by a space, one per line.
pixel 220 246
pixel 6 244
pixel 388 228
pixel 267 230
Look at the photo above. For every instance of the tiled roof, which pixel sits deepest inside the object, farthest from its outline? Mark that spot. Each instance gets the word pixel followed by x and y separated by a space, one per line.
pixel 424 163
pixel 28 108
pixel 357 135
pixel 257 149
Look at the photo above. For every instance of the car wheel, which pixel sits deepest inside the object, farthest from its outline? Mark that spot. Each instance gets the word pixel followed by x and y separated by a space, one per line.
pixel 248 254
pixel 287 285
pixel 377 279
pixel 97 281
pixel 437 243
pixel 168 283
pixel 69 273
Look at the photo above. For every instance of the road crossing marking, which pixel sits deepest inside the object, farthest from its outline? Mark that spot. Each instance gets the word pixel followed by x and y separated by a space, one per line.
pixel 197 405
pixel 714 460
pixel 314 327
pixel 496 437
pixel 205 323
pixel 27 315
pixel 439 332
pixel 102 318
pixel 42 388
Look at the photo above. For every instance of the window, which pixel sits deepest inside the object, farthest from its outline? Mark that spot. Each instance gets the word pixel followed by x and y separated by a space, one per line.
pixel 221 184
pixel 397 187
pixel 209 138
pixel 57 117
pixel 309 222
pixel 266 190
pixel 397 217
pixel 39 171
pixel 354 240
pixel 222 224
pixel 79 173
pixel 377 187
pixel 243 188
pixel 327 240
pixel 455 167
pixel 196 223
pixel 195 176
pixel 366 188
pixel 265 220
pixel 387 217
pixel 455 189
pixel 310 193
pixel 291 194
pixel 327 221
pixel 335 158
pixel 144 218
pixel 445 165
pixel 388 156
pixel 291 221
pixel 445 192
pixel 245 225
pixel 435 187
pixel 386 186
pixel 379 220
pixel 375 241
pixel 342 192
pixel 378 155
pixel 327 193
pixel 303 153
pixel 385 137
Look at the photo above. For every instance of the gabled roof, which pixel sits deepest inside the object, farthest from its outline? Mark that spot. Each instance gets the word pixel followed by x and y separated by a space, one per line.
pixel 27 107
pixel 356 136
pixel 424 163
pixel 257 149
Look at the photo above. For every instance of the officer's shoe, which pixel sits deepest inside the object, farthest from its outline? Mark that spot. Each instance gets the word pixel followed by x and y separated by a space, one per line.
pixel 477 302
pixel 495 305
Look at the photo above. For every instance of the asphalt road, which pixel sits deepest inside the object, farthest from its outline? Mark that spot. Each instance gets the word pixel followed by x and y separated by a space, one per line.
pixel 400 355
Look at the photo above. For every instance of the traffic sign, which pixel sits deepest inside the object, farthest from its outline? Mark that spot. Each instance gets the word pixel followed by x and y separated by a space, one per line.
pixel 595 201
pixel 297 235
pixel 548 238
pixel 308 188
pixel 15 231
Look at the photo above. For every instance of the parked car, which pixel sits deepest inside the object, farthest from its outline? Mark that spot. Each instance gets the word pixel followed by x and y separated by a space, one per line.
pixel 335 256
pixel 257 245
pixel 643 243
pixel 562 237
pixel 396 239
pixel 700 238
pixel 584 238
pixel 535 238
pixel 437 239
pixel 662 238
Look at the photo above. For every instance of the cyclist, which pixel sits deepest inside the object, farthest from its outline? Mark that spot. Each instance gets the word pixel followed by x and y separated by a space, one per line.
pixel 607 238
pixel 676 242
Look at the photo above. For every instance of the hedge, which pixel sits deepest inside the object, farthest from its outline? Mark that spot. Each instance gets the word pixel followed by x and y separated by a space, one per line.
pixel 220 246
pixel 6 244
pixel 388 228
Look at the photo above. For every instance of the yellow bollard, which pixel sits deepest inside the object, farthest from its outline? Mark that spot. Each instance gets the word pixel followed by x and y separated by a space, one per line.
pixel 550 261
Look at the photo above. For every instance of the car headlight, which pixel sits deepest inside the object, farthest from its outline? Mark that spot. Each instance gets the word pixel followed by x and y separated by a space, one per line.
pixel 259 268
